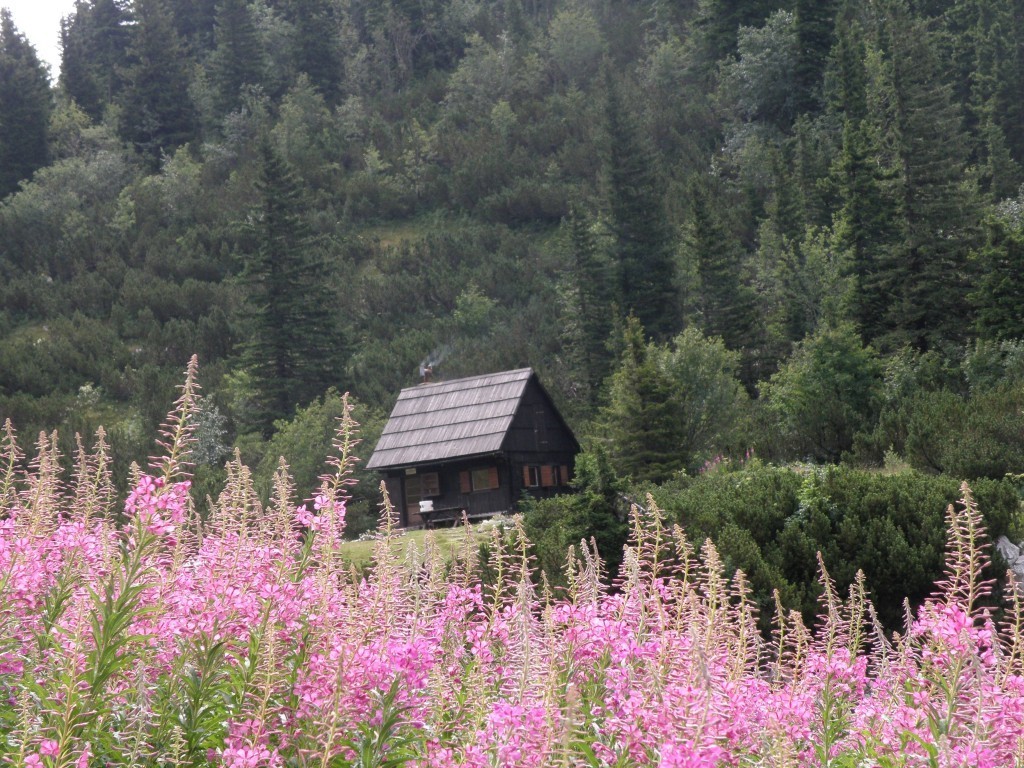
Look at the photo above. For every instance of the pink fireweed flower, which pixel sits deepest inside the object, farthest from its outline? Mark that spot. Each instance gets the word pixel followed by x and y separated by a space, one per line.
pixel 161 509
pixel 306 519
pixel 948 633
pixel 250 757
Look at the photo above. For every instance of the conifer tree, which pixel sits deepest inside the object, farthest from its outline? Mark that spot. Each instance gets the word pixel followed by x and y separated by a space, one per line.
pixel 719 21
pixel 864 222
pixel 594 285
pixel 238 60
pixel 937 217
pixel 25 105
pixel 986 41
pixel 94 50
pixel 815 24
pixel 644 247
pixel 317 44
pixel 157 114
pixel 672 406
pixel 195 21
pixel 640 412
pixel 76 77
pixel 999 293
pixel 726 302
pixel 294 351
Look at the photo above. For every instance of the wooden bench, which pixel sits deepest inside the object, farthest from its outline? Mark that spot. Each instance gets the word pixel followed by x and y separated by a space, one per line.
pixel 451 515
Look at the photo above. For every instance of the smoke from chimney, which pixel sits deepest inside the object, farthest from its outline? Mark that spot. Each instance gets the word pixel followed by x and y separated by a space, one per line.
pixel 431 361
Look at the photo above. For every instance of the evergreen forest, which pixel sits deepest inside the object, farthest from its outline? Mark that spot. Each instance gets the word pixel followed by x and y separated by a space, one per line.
pixel 729 235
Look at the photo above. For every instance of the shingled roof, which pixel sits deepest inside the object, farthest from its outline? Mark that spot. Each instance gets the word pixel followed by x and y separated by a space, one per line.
pixel 450 419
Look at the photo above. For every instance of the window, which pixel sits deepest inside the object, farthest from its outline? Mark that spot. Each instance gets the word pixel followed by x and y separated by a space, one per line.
pixel 481 479
pixel 531 477
pixel 546 476
pixel 485 479
pixel 430 484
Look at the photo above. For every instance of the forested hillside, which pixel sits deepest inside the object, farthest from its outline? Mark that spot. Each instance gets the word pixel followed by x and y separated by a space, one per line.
pixel 711 226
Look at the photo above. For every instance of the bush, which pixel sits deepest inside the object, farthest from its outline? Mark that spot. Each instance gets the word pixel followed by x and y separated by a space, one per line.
pixel 771 522
pixel 825 393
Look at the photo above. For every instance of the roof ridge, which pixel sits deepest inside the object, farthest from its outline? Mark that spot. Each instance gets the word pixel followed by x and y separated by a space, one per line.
pixel 428 385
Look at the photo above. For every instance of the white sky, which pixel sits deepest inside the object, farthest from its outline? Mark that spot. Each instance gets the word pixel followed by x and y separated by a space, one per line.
pixel 39 21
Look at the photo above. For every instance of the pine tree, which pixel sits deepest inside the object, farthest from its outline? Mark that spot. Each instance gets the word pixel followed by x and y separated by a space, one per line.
pixel 864 222
pixel 815 25
pixel 157 114
pixel 294 352
pixel 644 248
pixel 238 60
pixel 94 51
pixel 937 216
pixel 594 287
pixel 25 105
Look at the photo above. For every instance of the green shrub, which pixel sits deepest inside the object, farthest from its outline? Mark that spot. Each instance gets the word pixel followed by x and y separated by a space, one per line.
pixel 771 522
pixel 825 393
pixel 744 512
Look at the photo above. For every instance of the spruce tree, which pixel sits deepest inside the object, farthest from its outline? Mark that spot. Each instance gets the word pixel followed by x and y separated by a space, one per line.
pixel 999 292
pixel 937 216
pixel 157 114
pixel 815 25
pixel 317 44
pixel 644 244
pixel 672 406
pixel 238 60
pixel 195 21
pixel 94 54
pixel 25 105
pixel 718 23
pixel 640 413
pixel 294 351
pixel 986 41
pixel 594 292
pixel 726 301
pixel 865 221
pixel 76 76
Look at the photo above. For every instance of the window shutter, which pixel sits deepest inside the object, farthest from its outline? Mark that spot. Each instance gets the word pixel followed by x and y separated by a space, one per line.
pixel 464 485
pixel 526 477
pixel 565 474
pixel 546 476
pixel 492 477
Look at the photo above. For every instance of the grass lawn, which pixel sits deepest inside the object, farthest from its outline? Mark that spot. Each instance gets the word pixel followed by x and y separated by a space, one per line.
pixel 448 540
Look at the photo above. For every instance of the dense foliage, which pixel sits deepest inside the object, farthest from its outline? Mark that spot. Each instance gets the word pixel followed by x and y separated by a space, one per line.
pixel 771 523
pixel 317 193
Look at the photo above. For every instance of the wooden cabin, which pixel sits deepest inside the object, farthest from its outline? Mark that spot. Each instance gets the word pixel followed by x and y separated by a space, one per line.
pixel 473 445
